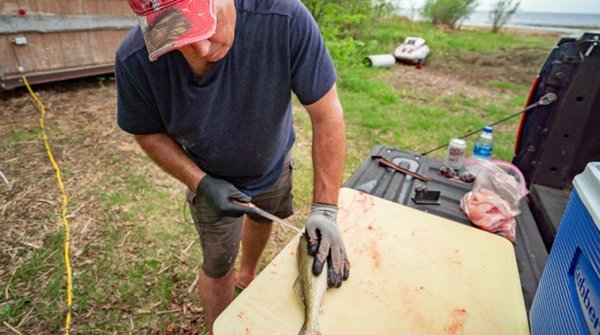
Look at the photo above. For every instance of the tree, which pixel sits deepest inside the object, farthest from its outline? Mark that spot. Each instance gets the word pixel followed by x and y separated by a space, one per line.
pixel 353 12
pixel 448 12
pixel 343 22
pixel 501 12
pixel 413 9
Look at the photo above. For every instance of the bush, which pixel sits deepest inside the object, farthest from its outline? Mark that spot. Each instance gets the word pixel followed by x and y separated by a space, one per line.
pixel 448 12
pixel 350 13
pixel 342 23
pixel 502 11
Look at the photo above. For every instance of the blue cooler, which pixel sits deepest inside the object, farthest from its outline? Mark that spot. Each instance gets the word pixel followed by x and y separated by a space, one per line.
pixel 568 298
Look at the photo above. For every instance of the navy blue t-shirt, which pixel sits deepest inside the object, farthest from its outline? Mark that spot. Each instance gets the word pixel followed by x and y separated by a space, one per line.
pixel 235 122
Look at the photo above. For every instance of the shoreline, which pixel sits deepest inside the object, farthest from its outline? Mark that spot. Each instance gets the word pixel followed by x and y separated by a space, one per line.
pixel 565 26
pixel 525 30
pixel 568 24
pixel 560 30
pixel 522 30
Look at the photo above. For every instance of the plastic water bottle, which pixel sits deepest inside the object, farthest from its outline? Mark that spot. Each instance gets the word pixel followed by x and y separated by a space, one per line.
pixel 484 145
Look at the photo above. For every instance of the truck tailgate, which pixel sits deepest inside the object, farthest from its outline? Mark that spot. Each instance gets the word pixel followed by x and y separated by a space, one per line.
pixel 386 183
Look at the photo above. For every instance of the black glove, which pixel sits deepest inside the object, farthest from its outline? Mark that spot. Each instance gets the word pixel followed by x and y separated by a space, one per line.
pixel 220 195
pixel 325 243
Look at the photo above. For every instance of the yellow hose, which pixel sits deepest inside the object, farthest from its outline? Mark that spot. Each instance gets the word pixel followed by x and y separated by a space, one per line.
pixel 64 205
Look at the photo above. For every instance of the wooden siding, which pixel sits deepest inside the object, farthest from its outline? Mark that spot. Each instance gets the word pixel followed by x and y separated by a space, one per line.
pixel 51 51
pixel 65 7
pixel 63 51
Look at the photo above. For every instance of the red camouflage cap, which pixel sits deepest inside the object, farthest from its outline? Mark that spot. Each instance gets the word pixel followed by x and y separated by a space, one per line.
pixel 171 24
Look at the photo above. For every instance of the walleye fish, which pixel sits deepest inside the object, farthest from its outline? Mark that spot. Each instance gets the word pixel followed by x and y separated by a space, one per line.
pixel 310 288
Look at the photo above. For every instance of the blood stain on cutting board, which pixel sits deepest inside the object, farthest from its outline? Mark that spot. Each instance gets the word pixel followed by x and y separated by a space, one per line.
pixel 454 260
pixel 456 321
pixel 375 254
pixel 410 299
pixel 365 201
pixel 374 229
pixel 355 210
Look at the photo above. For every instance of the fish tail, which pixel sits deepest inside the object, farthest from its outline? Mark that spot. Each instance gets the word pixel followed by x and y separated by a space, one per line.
pixel 310 328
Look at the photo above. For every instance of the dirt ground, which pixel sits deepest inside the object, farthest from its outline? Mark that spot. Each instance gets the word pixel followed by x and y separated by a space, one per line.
pixel 92 152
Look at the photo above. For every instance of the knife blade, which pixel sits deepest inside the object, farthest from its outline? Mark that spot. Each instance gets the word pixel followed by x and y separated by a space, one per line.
pixel 269 216
pixel 279 220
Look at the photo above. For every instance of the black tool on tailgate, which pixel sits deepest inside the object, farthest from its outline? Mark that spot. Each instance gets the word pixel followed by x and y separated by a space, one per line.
pixel 423 196
pixel 384 162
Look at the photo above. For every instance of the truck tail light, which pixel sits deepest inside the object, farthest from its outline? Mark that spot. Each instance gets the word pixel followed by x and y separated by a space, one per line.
pixel 534 87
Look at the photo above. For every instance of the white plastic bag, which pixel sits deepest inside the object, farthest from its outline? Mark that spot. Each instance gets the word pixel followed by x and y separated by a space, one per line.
pixel 493 204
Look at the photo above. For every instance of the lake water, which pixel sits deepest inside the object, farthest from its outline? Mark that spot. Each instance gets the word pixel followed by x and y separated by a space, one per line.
pixel 570 24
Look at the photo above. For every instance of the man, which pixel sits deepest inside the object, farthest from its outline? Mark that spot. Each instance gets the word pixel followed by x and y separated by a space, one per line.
pixel 205 86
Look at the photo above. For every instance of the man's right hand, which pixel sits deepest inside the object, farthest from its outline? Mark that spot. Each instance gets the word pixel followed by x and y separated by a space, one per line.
pixel 221 195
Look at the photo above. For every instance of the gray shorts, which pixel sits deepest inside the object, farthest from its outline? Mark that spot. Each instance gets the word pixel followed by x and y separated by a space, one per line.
pixel 220 236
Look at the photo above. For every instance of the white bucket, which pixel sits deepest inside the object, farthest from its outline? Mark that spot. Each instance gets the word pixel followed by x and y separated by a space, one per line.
pixel 380 60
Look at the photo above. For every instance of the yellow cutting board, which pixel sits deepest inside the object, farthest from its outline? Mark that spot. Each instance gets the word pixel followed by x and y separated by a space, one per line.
pixel 412 273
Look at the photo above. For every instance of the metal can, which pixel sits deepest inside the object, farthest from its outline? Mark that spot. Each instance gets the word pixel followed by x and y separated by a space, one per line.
pixel 456 153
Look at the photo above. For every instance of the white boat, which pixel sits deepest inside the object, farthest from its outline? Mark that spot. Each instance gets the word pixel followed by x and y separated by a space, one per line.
pixel 412 51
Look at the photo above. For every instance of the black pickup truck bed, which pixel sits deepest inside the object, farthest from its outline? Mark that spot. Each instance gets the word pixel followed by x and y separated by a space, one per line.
pixel 371 178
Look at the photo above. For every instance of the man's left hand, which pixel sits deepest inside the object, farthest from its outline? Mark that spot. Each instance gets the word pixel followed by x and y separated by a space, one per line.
pixel 325 244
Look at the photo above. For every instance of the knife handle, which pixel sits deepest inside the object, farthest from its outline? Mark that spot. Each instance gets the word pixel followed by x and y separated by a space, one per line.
pixel 247 204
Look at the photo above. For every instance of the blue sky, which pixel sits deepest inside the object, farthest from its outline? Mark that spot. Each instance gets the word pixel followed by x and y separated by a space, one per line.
pixel 556 6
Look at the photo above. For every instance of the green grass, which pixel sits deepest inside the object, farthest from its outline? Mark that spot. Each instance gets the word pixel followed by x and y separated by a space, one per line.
pixel 45 266
pixel 503 85
pixel 128 276
pixel 378 113
pixel 138 284
pixel 18 135
pixel 383 37
pixel 142 280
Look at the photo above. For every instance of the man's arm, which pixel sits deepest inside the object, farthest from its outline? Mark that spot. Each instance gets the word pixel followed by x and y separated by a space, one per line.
pixel 328 146
pixel 167 154
pixel 328 150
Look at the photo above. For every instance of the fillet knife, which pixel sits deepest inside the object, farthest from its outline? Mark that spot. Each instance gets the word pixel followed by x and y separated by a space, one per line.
pixel 279 220
pixel 270 216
